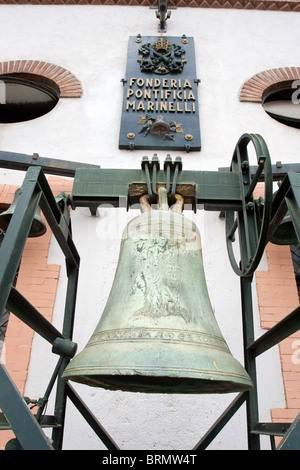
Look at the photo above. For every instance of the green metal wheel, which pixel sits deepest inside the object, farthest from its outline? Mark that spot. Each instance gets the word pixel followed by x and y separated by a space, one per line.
pixel 252 221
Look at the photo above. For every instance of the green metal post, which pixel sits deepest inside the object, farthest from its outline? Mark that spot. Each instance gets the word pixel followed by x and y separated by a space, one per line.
pixel 14 241
pixel 61 396
pixel 250 365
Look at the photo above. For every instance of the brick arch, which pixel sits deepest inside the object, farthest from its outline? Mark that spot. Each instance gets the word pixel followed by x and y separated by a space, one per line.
pixel 68 84
pixel 254 88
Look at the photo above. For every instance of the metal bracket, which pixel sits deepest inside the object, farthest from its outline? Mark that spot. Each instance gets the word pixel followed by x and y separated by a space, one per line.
pixel 163 14
pixel 151 169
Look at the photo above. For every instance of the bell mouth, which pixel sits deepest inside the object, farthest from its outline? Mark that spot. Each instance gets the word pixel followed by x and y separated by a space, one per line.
pixel 285 233
pixel 161 384
pixel 38 228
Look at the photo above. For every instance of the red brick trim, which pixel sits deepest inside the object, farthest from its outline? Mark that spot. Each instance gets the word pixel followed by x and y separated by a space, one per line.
pixel 274 5
pixel 68 84
pixel 254 88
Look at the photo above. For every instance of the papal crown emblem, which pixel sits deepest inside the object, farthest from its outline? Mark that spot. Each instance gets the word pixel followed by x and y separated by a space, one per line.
pixel 162 45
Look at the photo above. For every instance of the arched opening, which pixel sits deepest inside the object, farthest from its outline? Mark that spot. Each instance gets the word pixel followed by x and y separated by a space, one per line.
pixel 26 96
pixel 281 102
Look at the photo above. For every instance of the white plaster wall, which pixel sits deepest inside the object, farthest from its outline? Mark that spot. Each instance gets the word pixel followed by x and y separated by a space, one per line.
pixel 91 42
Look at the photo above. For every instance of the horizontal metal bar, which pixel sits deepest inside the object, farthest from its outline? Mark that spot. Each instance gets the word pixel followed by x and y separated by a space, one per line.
pixel 19 306
pixel 221 422
pixel 286 327
pixel 20 161
pixel 216 190
pixel 271 429
pixel 46 421
pixel 90 418
pixel 279 170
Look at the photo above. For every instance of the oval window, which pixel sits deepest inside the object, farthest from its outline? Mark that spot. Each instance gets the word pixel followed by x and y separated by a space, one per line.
pixel 280 105
pixel 26 96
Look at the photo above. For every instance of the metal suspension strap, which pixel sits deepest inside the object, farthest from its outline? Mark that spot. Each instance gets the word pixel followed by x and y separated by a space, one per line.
pixel 151 180
pixel 174 167
pixel 177 168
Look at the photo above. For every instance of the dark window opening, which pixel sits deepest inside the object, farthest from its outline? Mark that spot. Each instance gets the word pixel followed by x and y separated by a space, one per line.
pixel 282 103
pixel 25 96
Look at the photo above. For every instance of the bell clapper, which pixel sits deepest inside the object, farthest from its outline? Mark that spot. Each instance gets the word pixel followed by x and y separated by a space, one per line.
pixel 163 199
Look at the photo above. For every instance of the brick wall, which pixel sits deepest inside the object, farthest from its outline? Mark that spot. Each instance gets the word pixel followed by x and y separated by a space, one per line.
pixel 277 297
pixel 37 281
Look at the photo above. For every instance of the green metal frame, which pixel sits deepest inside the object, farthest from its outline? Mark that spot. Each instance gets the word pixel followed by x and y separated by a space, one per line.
pixel 36 191
pixel 231 192
pixel 52 166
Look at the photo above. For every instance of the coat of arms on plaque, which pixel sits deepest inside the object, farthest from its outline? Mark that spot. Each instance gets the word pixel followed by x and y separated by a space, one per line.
pixel 161 57
pixel 160 101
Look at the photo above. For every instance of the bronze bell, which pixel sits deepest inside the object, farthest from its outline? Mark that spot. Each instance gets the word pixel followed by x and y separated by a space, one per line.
pixel 158 332
pixel 285 233
pixel 38 227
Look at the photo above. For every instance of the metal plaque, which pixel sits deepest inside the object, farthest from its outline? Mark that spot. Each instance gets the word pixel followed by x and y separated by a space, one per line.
pixel 160 104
